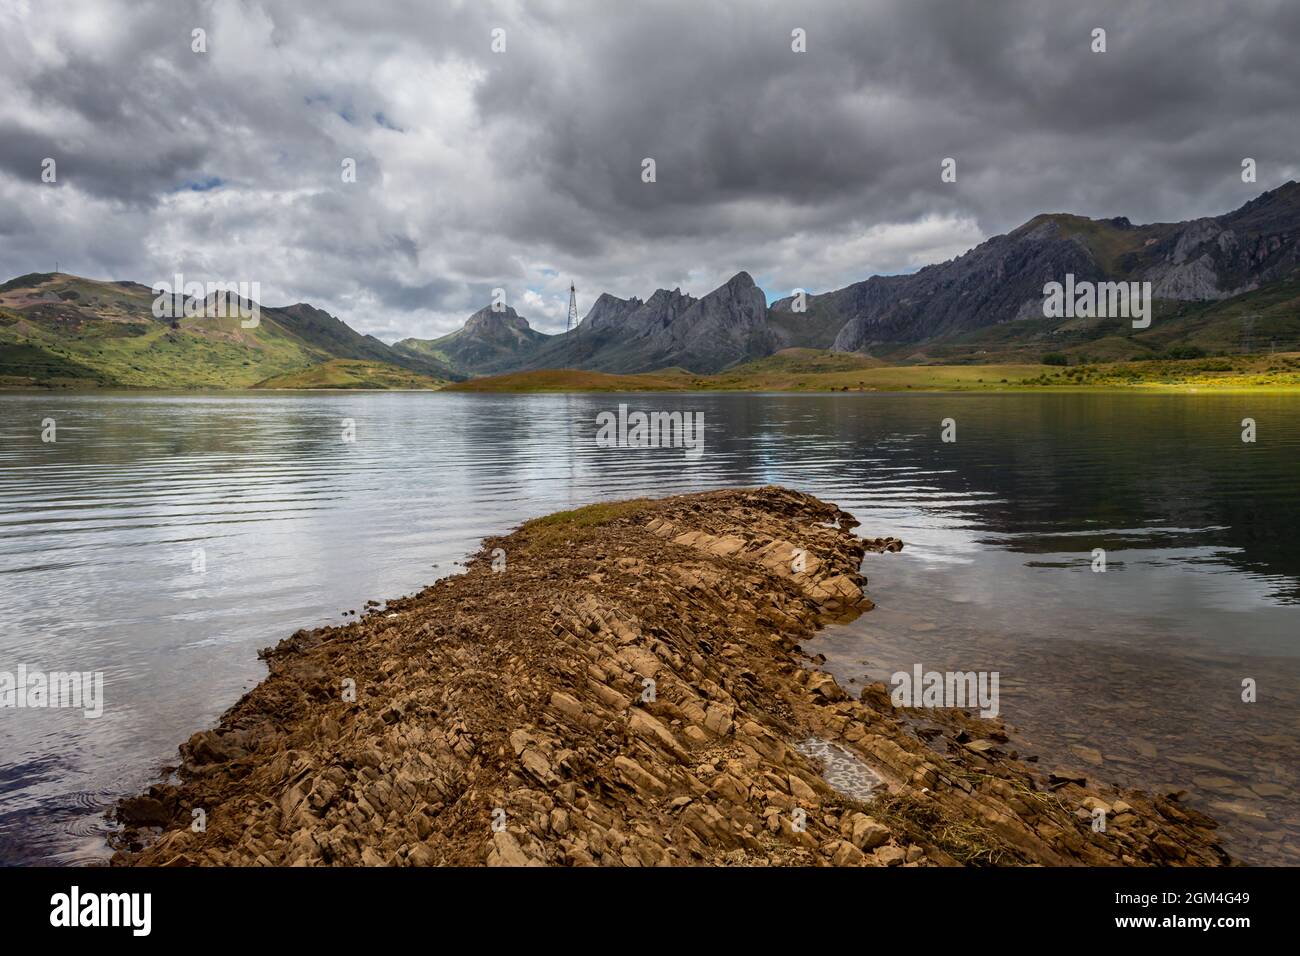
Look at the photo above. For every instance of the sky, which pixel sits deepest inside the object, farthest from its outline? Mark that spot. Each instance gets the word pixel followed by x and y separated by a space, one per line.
pixel 502 144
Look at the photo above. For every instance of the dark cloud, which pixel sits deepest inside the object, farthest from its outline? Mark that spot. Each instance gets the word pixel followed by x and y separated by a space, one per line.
pixel 522 169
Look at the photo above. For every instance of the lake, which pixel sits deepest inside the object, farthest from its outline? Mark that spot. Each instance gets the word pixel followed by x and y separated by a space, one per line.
pixel 163 538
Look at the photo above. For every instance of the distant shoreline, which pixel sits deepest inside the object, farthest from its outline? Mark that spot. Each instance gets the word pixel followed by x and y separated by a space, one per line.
pixel 810 371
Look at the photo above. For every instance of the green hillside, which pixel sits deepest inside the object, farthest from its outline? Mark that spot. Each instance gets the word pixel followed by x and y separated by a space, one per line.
pixel 812 370
pixel 59 330
pixel 350 373
pixel 1255 322
pixel 428 348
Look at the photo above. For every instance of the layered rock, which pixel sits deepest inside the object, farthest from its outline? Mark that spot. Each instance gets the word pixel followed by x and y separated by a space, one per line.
pixel 1002 280
pixel 724 328
pixel 997 281
pixel 624 685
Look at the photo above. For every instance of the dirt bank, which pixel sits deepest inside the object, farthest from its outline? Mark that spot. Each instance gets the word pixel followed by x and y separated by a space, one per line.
pixel 626 689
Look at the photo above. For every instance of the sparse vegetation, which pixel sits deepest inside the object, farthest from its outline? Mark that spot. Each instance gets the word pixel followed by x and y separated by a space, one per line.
pixel 577 524
pixel 861 374
pixel 346 373
pixel 61 331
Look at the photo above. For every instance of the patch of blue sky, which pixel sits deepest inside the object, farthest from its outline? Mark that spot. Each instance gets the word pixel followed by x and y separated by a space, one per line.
pixel 203 185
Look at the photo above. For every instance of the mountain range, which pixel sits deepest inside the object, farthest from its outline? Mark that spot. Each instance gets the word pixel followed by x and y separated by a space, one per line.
pixel 1218 283
pixel 1222 284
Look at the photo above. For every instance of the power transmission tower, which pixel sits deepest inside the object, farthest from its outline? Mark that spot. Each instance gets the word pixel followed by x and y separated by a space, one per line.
pixel 1247 333
pixel 573 308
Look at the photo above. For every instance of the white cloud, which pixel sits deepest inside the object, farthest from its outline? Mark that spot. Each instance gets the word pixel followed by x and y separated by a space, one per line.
pixel 522 170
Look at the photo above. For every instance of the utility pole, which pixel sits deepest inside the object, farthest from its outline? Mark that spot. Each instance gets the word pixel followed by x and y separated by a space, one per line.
pixel 573 307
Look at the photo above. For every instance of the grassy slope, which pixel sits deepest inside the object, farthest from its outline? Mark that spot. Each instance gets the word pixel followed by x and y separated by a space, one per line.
pixel 109 329
pixel 1280 371
pixel 1252 321
pixel 810 370
pixel 571 380
pixel 352 373
pixel 65 331
pixel 1116 249
pixel 432 348
pixel 791 370
pixel 216 354
pixel 23 365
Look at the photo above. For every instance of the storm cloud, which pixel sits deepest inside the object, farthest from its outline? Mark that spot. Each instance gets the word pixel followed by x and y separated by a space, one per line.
pixel 522 169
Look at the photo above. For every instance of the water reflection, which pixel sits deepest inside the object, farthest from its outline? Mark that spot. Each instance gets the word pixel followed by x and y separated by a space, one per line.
pixel 99 534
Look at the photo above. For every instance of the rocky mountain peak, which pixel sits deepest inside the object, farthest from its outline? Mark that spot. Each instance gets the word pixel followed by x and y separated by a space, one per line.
pixel 488 325
pixel 488 319
pixel 999 281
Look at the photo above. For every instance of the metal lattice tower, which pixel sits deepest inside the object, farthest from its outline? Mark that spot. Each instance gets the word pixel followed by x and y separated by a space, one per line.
pixel 573 308
pixel 1247 333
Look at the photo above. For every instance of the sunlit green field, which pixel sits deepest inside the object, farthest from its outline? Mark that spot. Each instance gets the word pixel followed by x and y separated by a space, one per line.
pixel 814 371
pixel 351 373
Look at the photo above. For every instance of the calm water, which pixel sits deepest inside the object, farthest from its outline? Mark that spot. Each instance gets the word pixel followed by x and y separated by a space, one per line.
pixel 1139 668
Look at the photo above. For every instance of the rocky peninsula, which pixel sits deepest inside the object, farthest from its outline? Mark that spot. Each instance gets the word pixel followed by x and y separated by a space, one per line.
pixel 624 685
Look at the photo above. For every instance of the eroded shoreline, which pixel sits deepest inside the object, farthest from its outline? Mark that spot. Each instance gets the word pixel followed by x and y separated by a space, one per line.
pixel 627 690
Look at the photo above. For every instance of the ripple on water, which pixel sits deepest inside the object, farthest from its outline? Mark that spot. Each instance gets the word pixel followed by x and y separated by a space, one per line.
pixel 99 535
